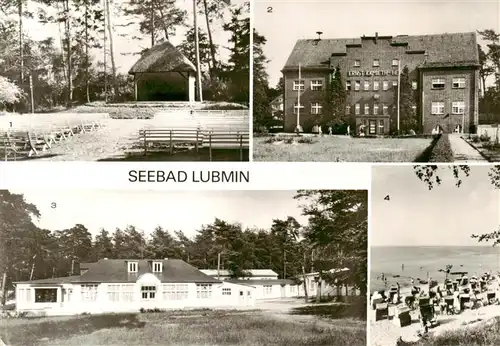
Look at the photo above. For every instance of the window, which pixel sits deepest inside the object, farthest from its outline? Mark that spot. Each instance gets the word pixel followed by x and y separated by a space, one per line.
pixel 89 293
pixel 226 291
pixel 132 267
pixel 248 293
pixel 348 85
pixel 437 108
pixel 114 293
pixel 438 83
pixel 175 291
pixel 267 289
pixel 357 85
pixel 395 84
pixel 203 291
pixel 381 125
pixel 376 62
pixel 157 267
pixel 395 62
pixel 348 109
pixel 357 63
pixel 292 289
pixel 316 108
pixel 311 285
pixel 367 109
pixel 127 292
pixel 458 107
pixel 366 85
pixel 241 293
pixel 296 107
pixel 414 85
pixel 317 84
pixel 148 292
pixel 385 85
pixel 357 109
pixel 24 295
pixel 458 83
pixel 45 295
pixel 298 85
pixel 375 109
pixel 376 85
pixel 385 109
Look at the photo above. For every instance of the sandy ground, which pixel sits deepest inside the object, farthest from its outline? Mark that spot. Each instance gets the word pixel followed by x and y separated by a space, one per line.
pixel 386 333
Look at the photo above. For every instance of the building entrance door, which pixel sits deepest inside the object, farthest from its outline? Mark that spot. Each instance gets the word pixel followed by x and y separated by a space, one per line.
pixel 372 127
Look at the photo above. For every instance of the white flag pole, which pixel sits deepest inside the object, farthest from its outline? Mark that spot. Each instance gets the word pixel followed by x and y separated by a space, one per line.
pixel 399 88
pixel 298 100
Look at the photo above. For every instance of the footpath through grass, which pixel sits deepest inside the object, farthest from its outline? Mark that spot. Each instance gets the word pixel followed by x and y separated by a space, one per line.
pixel 182 328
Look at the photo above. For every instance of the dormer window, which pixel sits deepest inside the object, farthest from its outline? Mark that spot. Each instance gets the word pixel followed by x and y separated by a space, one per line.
pixel 132 267
pixel 157 267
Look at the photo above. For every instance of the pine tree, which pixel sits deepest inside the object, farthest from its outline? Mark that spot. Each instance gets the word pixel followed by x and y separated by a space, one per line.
pixel 407 112
pixel 335 100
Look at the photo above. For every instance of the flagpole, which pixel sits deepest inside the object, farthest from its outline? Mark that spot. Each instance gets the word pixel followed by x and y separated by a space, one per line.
pixel 399 88
pixel 298 101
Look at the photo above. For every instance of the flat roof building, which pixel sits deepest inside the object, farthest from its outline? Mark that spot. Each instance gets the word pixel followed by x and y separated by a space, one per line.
pixel 443 69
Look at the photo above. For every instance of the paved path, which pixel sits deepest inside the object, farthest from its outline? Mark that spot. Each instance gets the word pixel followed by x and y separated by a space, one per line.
pixel 463 151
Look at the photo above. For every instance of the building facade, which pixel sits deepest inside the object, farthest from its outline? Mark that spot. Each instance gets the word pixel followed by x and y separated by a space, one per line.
pixel 110 286
pixel 443 71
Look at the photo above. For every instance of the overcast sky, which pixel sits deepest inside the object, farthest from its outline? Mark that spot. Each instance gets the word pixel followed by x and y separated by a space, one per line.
pixel 292 20
pixel 445 215
pixel 185 211
pixel 125 44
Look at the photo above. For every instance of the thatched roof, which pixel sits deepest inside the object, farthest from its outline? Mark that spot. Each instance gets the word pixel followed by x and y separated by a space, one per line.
pixel 163 57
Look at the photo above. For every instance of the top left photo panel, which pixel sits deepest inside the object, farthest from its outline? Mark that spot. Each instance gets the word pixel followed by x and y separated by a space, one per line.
pixel 124 80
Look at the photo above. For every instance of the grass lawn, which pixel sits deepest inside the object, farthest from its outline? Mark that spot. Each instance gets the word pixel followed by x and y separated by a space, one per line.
pixel 333 149
pixel 184 328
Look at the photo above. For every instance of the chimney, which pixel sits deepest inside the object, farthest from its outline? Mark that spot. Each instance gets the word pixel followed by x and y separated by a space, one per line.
pixel 376 37
pixel 319 35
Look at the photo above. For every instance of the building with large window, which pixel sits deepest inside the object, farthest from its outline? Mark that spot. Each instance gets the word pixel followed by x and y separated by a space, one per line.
pixel 443 69
pixel 112 285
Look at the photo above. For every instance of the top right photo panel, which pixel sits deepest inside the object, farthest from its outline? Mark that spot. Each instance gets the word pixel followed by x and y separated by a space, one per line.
pixel 394 81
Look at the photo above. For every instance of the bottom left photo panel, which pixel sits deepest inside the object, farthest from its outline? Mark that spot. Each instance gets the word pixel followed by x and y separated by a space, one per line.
pixel 105 267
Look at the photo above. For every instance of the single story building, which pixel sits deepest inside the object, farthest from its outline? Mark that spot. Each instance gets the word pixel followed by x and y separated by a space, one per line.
pixel 119 285
pixel 163 73
pixel 253 274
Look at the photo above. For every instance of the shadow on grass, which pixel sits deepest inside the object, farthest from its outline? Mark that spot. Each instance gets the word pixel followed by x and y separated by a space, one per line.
pixel 334 311
pixel 426 155
pixel 203 155
pixel 36 329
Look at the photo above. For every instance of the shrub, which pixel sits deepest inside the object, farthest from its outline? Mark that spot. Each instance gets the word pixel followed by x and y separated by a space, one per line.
pixel 442 150
pixel 484 137
pixel 306 140
pixel 491 146
pixel 475 139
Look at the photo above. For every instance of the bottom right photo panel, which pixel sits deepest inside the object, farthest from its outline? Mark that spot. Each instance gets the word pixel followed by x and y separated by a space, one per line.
pixel 434 255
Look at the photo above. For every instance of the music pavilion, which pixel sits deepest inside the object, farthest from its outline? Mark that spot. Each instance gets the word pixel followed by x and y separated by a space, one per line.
pixel 444 70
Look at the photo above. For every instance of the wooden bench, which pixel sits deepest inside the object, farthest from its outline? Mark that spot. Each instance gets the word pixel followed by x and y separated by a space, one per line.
pixel 227 140
pixel 21 143
pixel 171 137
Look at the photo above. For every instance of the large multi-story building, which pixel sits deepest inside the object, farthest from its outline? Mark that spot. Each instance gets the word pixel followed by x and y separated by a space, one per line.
pixel 443 69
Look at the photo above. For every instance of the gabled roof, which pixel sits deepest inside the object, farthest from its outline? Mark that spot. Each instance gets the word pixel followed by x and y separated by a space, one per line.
pixel 253 272
pixel 116 271
pixel 442 49
pixel 163 57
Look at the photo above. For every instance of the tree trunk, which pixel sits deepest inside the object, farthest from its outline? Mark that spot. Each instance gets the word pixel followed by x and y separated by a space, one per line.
pixel 304 278
pixel 67 24
pixel 21 43
pixel 152 23
pixel 87 81
pixel 105 53
pixel 4 287
pixel 284 264
pixel 197 53
pixel 213 67
pixel 111 51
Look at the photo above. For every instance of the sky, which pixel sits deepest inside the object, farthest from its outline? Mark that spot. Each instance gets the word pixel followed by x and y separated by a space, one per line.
pixel 125 45
pixel 445 215
pixel 186 210
pixel 289 21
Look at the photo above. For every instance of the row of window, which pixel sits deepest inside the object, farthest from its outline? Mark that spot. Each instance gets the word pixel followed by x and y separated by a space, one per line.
pixel 133 267
pixel 457 107
pixel 376 63
pixel 437 83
